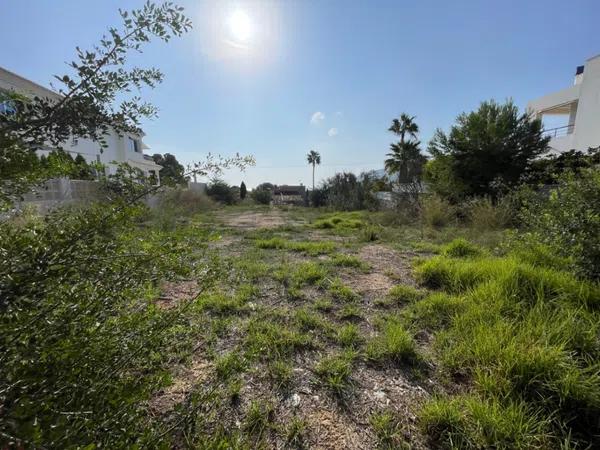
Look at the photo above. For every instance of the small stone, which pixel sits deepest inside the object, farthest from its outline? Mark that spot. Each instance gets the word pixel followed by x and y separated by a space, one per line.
pixel 379 395
pixel 295 400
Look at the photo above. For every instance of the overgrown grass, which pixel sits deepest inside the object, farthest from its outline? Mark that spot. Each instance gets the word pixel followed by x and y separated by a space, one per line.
pixel 400 295
pixel 394 344
pixel 469 422
pixel 341 221
pixel 526 336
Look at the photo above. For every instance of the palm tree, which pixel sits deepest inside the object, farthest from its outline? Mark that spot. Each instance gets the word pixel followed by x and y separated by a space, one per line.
pixel 405 126
pixel 313 158
pixel 406 160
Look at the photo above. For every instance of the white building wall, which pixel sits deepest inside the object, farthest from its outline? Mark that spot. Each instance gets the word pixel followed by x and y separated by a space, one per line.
pixel 581 104
pixel 587 121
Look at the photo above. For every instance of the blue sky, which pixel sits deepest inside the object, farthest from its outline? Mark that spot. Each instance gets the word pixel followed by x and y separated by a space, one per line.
pixel 358 64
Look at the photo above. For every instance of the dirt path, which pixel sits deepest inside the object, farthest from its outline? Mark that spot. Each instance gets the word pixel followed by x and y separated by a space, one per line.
pixel 253 220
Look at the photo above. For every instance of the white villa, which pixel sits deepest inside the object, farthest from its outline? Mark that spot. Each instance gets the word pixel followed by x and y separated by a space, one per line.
pixel 578 107
pixel 128 148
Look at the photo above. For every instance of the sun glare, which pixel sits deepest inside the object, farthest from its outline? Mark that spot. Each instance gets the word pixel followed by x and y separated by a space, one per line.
pixel 240 25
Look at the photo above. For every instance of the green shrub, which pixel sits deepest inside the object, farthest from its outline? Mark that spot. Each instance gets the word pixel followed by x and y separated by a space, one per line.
pixel 568 220
pixel 176 204
pixel 262 196
pixel 437 212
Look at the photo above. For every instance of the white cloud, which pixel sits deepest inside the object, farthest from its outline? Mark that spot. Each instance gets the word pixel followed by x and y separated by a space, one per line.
pixel 332 132
pixel 317 118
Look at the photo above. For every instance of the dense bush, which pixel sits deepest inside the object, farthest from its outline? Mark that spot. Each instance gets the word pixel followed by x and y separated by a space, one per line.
pixel 221 192
pixel 78 325
pixel 262 196
pixel 178 203
pixel 346 192
pixel 568 219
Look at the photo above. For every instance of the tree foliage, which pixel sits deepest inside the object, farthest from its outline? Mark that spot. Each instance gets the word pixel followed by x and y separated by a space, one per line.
pixel 84 103
pixel 221 192
pixel 346 192
pixel 83 341
pixel 494 144
pixel 568 219
pixel 243 190
pixel 171 172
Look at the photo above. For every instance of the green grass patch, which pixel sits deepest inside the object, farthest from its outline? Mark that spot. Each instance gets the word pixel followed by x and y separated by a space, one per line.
pixel 350 312
pixel 313 248
pixel 386 427
pixel 469 422
pixel 229 365
pixel 335 372
pixel 349 335
pixel 339 291
pixel 341 221
pixel 259 419
pixel 273 341
pixel 343 260
pixel 402 294
pixel 394 344
pixel 460 248
pixel 307 273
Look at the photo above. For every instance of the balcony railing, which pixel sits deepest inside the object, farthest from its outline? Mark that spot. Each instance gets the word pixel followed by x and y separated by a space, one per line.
pixel 559 131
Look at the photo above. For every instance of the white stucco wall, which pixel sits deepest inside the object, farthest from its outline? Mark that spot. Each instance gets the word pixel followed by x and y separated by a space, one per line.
pixel 581 102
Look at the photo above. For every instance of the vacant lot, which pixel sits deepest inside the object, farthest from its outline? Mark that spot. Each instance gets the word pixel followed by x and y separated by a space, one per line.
pixel 296 346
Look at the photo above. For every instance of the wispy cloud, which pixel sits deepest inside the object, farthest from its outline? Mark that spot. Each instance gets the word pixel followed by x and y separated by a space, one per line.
pixel 317 118
pixel 332 132
pixel 339 114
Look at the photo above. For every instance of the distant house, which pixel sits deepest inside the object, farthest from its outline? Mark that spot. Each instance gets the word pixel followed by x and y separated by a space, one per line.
pixel 127 148
pixel 289 195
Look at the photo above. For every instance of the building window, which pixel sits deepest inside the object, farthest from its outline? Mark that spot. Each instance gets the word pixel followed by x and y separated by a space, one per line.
pixel 74 141
pixel 134 145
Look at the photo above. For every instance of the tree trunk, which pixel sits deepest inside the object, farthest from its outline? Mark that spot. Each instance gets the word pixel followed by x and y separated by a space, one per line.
pixel 313 177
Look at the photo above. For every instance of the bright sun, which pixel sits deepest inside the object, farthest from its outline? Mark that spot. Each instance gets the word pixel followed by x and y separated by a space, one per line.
pixel 240 25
